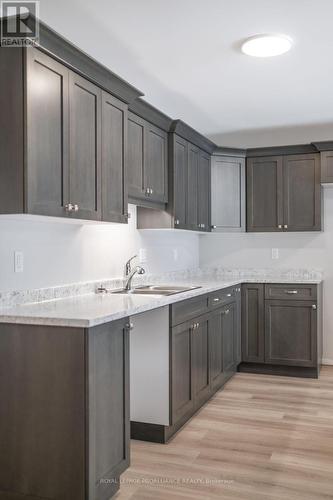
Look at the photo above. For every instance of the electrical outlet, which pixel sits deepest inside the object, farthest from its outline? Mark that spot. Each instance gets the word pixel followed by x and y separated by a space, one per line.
pixel 275 253
pixel 142 255
pixel 18 262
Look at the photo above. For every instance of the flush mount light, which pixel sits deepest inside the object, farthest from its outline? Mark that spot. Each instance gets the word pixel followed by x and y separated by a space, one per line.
pixel 267 45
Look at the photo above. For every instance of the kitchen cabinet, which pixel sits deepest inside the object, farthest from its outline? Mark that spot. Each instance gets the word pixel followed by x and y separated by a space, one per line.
pixel 253 332
pixel 79 432
pixel 204 194
pixel 291 332
pixel 85 147
pixel 147 162
pixel 283 193
pixel 281 327
pixel 114 159
pixel 73 140
pixel 189 190
pixel 326 162
pixel 190 367
pixel 228 206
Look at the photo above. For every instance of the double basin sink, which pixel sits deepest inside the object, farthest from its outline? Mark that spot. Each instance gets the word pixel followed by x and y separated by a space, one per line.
pixel 152 290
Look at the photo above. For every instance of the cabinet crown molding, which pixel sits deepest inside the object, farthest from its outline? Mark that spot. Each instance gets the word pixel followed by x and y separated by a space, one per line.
pixel 151 114
pixel 186 132
pixel 281 150
pixel 69 54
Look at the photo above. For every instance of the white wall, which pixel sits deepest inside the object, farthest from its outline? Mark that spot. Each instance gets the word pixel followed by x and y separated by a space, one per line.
pixel 56 253
pixel 297 250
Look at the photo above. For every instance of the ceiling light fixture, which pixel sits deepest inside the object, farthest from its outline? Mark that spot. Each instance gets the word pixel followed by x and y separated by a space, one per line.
pixel 267 45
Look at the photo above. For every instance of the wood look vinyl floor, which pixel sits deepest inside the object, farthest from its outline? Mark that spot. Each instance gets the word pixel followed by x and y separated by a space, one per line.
pixel 260 438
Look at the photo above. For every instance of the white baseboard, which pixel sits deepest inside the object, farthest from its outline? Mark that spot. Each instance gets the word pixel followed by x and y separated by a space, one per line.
pixel 327 361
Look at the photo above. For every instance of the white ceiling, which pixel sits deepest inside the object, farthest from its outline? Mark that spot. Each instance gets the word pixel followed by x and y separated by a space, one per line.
pixel 184 55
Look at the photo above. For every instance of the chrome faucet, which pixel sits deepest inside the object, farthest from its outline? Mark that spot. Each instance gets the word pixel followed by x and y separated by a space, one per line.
pixel 137 270
pixel 128 267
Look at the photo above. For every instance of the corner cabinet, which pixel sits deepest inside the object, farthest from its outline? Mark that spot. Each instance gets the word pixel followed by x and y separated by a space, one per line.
pixel 80 429
pixel 228 206
pixel 282 327
pixel 73 160
pixel 147 162
pixel 283 193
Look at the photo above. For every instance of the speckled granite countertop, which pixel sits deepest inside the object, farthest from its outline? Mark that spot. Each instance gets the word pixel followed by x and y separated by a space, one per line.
pixel 91 309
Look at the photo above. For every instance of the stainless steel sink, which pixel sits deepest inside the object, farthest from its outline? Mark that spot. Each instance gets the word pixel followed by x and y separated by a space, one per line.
pixel 153 290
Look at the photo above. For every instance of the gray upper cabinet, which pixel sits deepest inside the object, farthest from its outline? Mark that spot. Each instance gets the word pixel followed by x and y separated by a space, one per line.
pixel 156 172
pixel 326 160
pixel 147 162
pixel 264 194
pixel 204 173
pixel 114 159
pixel 47 135
pixel 228 194
pixel 85 147
pixel 283 193
pixel 302 193
pixel 178 180
pixel 72 141
pixel 192 188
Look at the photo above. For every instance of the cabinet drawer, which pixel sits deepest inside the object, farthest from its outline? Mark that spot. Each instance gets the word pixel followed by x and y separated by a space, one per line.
pixel 221 297
pixel 188 309
pixel 290 291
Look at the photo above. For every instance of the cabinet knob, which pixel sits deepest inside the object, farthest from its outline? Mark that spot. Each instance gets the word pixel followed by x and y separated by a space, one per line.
pixel 213 227
pixel 129 326
pixel 69 207
pixel 285 226
pixel 147 191
pixel 176 222
pixel 314 307
pixel 151 191
pixel 280 226
pixel 76 207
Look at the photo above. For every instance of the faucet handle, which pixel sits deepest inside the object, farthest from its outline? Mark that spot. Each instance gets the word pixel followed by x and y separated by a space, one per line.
pixel 128 267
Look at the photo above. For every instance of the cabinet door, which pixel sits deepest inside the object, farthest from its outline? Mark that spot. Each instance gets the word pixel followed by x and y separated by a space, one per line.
pixel 228 194
pixel 192 188
pixel 47 179
pixel 229 332
pixel 181 371
pixel 302 193
pixel 291 333
pixel 179 155
pixel 326 162
pixel 200 361
pixel 156 164
pixel 108 409
pixel 238 336
pixel 265 194
pixel 114 154
pixel 204 192
pixel 216 349
pixel 85 147
pixel 253 339
pixel 136 156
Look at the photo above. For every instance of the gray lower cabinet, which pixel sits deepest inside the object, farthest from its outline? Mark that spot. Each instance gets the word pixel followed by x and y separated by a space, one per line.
pixel 253 328
pixel 70 437
pixel 147 162
pixel 190 381
pixel 281 325
pixel 66 142
pixel 283 193
pixel 228 206
pixel 291 333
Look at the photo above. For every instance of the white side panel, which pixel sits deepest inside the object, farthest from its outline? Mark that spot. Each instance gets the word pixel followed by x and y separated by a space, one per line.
pixel 149 367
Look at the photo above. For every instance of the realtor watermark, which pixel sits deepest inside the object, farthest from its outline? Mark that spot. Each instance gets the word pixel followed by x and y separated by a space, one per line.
pixel 19 23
